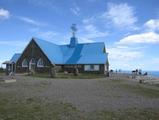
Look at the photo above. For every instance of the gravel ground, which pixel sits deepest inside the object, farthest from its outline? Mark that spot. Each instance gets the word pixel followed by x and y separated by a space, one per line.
pixel 85 94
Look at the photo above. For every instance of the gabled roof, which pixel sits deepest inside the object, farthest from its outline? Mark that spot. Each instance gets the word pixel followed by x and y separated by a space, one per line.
pixel 86 53
pixel 15 57
pixel 51 50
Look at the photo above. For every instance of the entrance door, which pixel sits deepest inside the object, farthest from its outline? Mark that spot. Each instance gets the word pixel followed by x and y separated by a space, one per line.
pixel 32 64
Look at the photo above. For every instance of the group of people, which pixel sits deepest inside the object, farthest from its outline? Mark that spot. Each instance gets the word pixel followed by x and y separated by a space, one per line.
pixel 138 72
pixel 134 73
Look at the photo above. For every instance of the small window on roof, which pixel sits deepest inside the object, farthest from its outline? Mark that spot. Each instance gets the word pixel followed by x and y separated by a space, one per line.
pixel 25 63
pixel 40 63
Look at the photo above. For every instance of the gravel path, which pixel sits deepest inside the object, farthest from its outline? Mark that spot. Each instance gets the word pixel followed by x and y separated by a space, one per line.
pixel 86 94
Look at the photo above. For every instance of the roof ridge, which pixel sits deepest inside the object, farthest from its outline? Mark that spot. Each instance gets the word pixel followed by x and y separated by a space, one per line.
pixel 85 43
pixel 65 44
pixel 35 38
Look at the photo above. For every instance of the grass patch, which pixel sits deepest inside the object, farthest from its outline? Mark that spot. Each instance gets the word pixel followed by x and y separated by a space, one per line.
pixel 141 90
pixel 157 85
pixel 2 73
pixel 127 114
pixel 35 109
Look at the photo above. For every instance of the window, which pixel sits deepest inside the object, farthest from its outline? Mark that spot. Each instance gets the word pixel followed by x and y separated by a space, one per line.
pixel 91 67
pixel 96 67
pixel 87 67
pixel 32 61
pixel 40 63
pixel 25 63
pixel 32 64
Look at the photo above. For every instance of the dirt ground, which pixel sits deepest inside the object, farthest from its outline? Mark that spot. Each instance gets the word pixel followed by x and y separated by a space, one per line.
pixel 112 93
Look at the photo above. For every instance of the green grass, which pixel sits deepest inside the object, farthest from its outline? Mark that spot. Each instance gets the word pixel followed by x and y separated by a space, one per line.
pixel 157 85
pixel 2 73
pixel 34 109
pixel 149 91
pixel 141 90
pixel 127 114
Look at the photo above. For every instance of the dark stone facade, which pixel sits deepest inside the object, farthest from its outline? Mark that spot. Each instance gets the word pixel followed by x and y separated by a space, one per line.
pixel 70 68
pixel 34 51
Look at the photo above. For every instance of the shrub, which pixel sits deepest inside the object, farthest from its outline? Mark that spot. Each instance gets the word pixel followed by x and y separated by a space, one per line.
pixel 1 69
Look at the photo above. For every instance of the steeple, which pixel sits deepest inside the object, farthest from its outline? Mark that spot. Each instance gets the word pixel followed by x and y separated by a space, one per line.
pixel 73 40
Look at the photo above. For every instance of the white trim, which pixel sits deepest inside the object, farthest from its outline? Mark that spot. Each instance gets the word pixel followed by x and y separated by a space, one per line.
pixel 26 63
pixel 31 63
pixel 40 63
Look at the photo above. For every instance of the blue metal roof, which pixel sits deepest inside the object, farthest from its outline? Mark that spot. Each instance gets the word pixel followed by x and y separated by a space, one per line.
pixel 51 50
pixel 86 53
pixel 15 57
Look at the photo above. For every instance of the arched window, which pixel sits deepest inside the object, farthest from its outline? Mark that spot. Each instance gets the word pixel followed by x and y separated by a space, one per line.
pixel 25 63
pixel 32 64
pixel 32 61
pixel 40 63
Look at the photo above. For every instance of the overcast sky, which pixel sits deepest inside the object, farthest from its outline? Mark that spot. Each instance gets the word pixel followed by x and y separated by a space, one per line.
pixel 129 28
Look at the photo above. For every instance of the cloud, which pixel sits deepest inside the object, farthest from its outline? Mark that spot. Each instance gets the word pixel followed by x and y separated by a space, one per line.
pixel 47 35
pixel 127 53
pixel 9 47
pixel 150 64
pixel 44 3
pixel 121 15
pixel 85 40
pixel 50 35
pixel 88 20
pixel 91 32
pixel 152 25
pixel 75 10
pixel 4 14
pixel 92 0
pixel 149 37
pixel 31 21
pixel 2 65
pixel 14 43
pixel 155 60
pixel 124 57
pixel 123 54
